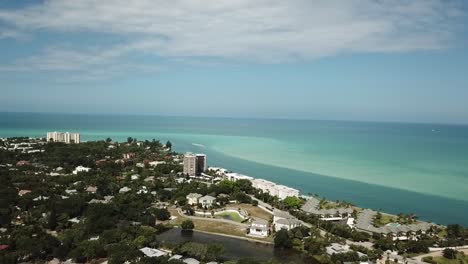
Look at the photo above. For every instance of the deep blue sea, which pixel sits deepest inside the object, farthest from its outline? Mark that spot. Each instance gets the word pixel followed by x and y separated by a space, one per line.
pixel 395 167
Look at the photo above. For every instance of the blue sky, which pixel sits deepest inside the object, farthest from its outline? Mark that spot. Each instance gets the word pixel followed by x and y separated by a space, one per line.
pixel 347 60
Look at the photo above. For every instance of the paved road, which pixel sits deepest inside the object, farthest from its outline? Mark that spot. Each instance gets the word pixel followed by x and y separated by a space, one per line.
pixel 400 259
pixel 438 254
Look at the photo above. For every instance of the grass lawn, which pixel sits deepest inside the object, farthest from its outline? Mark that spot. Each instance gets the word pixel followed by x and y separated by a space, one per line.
pixel 384 220
pixel 326 204
pixel 230 216
pixel 255 211
pixel 459 260
pixel 214 227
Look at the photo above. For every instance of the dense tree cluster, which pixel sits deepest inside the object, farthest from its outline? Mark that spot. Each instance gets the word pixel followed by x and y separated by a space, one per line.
pixel 55 217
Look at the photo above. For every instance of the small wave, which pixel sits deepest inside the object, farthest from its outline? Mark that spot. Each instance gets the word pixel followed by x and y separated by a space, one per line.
pixel 198 145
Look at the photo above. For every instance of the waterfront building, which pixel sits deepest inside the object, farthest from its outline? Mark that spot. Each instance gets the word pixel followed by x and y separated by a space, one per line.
pixel 194 164
pixel 190 164
pixel 274 189
pixel 312 206
pixel 218 171
pixel 236 176
pixel 192 198
pixel 66 137
pixel 202 164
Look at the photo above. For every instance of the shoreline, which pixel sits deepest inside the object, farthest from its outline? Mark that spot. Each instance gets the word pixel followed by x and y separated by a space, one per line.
pixel 446 210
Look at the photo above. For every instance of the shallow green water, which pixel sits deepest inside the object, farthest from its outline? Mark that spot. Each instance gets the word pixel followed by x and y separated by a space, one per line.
pixel 427 164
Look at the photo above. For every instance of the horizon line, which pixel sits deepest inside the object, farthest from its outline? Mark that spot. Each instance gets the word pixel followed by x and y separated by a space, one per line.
pixel 238 117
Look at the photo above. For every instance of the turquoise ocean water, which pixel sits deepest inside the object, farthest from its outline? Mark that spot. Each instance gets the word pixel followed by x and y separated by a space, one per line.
pixel 420 168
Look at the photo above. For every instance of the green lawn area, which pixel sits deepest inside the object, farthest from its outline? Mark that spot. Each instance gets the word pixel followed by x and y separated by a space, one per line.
pixel 387 219
pixel 325 204
pixel 215 227
pixel 255 211
pixel 230 216
pixel 459 260
pixel 384 220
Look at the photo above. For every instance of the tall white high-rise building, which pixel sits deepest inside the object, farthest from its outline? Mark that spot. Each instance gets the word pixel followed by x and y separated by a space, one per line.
pixel 190 164
pixel 63 137
pixel 195 164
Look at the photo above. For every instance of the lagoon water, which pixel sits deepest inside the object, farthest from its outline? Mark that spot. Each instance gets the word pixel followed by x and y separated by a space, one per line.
pixel 234 248
pixel 420 168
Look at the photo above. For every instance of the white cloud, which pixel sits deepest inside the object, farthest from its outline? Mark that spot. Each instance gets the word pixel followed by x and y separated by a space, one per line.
pixel 240 30
pixel 8 33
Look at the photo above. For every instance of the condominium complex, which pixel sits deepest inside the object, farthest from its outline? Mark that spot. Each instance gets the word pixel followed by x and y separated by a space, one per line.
pixel 194 164
pixel 63 137
pixel 236 176
pixel 274 189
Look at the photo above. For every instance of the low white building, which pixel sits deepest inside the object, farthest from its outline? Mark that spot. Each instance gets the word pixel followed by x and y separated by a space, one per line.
pixel 192 198
pixel 274 189
pixel 236 176
pixel 259 228
pixel 81 169
pixel 176 257
pixel 207 201
pixel 218 171
pixel 71 191
pixel 156 163
pixel 336 248
pixel 153 252
pixel 191 261
pixel 285 191
pixel 124 189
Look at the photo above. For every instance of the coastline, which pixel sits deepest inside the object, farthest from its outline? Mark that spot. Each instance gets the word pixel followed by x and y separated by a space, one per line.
pixel 428 207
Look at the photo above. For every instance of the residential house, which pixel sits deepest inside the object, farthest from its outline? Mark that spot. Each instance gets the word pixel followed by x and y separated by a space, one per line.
pixel 91 189
pixel 23 163
pixel 259 227
pixel 207 201
pixel 284 220
pixel 124 189
pixel 81 169
pixel 191 261
pixel 153 252
pixel 23 192
pixel 192 198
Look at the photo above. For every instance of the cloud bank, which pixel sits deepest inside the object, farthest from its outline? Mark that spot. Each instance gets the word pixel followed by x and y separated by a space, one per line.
pixel 260 31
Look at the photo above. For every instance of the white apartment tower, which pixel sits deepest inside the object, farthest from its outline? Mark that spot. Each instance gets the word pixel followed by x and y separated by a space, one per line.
pixel 195 164
pixel 190 164
pixel 63 137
